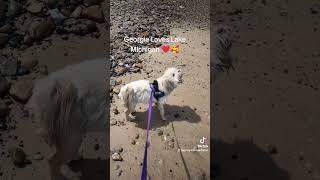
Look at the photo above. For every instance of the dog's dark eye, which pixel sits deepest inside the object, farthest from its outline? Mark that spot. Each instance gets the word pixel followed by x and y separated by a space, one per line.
pixel 173 74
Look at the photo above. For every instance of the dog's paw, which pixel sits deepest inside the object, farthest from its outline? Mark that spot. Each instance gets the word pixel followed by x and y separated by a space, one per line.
pixel 164 118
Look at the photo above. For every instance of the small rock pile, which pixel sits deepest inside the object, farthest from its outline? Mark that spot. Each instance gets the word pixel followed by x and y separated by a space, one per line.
pixel 23 22
pixel 16 84
pixel 136 21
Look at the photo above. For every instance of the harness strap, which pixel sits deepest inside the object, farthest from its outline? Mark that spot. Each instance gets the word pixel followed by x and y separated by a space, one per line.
pixel 157 93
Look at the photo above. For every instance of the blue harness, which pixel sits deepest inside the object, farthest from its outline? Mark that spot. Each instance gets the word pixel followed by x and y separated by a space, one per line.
pixel 157 94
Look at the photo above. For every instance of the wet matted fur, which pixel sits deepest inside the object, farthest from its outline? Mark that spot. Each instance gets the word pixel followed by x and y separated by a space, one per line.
pixel 67 104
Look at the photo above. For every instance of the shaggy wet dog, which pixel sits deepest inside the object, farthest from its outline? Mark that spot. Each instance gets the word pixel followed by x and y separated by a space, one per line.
pixel 140 91
pixel 67 104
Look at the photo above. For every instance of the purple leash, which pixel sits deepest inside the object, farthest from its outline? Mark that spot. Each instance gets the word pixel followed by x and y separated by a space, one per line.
pixel 144 173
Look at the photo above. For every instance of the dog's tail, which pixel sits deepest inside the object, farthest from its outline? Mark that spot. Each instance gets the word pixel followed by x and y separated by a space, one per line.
pixel 53 102
pixel 126 95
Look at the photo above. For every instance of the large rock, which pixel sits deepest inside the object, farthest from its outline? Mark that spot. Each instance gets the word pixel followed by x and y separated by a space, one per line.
pixel 7 29
pixel 51 3
pixel 76 12
pixel 3 39
pixel 4 86
pixel 3 9
pixel 22 90
pixel 78 27
pixel 57 16
pixel 91 2
pixel 35 8
pixel 14 8
pixel 3 108
pixel 8 66
pixel 41 28
pixel 93 13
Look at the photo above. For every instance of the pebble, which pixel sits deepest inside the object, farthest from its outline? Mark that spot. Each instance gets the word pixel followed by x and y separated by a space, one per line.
pixel 115 111
pixel 176 115
pixel 159 132
pixel 116 157
pixel 56 15
pixel 133 142
pixel 76 13
pixel 38 156
pixel 116 90
pixel 40 28
pixel 113 122
pixel 8 66
pixel 93 13
pixel 22 90
pixel 35 8
pixel 18 156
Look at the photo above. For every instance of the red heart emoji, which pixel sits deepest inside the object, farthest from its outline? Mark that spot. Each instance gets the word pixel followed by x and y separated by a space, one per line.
pixel 165 48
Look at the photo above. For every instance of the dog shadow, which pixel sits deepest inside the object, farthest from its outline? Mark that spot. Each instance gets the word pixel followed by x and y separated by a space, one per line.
pixel 244 160
pixel 173 113
pixel 91 168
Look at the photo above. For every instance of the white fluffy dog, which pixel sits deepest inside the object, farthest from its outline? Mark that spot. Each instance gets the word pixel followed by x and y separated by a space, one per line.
pixel 140 91
pixel 68 103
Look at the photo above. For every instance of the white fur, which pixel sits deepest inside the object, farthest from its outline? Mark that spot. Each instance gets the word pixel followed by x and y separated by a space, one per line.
pixel 139 91
pixel 68 103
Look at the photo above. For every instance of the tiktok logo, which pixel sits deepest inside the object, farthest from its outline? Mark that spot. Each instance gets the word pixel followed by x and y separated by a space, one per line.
pixel 203 140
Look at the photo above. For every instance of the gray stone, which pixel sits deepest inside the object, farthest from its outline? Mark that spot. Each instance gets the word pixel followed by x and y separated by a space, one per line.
pixel 91 2
pixel 38 156
pixel 14 8
pixel 77 12
pixel 57 17
pixel 8 66
pixel 41 28
pixel 3 39
pixel 4 86
pixel 22 90
pixel 7 29
pixel 93 13
pixel 3 108
pixel 51 3
pixel 35 8
pixel 18 156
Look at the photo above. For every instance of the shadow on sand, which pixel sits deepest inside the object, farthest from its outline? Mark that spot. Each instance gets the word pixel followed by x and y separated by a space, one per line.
pixel 91 169
pixel 173 113
pixel 243 160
